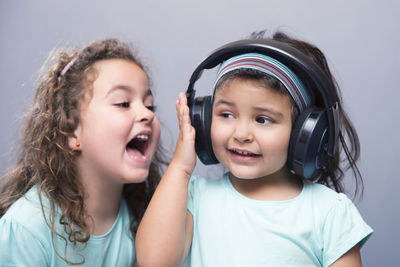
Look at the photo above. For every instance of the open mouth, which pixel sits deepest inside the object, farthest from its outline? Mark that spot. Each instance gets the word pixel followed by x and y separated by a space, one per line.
pixel 138 145
pixel 244 153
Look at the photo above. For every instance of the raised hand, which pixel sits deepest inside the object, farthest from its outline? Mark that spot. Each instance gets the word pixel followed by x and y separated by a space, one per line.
pixel 185 155
pixel 167 226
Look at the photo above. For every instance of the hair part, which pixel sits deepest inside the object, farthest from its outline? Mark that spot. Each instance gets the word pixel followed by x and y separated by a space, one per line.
pixel 47 161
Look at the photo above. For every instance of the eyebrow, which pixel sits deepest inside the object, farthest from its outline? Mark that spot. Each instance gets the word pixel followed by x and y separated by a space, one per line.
pixel 223 102
pixel 259 109
pixel 268 110
pixel 128 89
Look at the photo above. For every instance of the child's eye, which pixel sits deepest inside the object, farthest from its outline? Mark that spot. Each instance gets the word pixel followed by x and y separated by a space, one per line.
pixel 263 120
pixel 226 115
pixel 123 104
pixel 152 108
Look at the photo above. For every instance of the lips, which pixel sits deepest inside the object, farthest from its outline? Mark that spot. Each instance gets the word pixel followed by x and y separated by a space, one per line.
pixel 137 147
pixel 244 153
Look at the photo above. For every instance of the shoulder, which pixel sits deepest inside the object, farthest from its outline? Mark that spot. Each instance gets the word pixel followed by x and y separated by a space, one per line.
pixel 323 195
pixel 200 183
pixel 333 205
pixel 327 204
pixel 23 226
pixel 26 214
pixel 342 226
pixel 204 191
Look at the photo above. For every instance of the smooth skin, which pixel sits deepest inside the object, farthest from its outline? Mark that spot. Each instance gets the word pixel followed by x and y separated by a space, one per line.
pixel 250 134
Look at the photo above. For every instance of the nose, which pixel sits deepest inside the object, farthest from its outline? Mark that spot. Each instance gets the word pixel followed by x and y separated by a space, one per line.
pixel 243 133
pixel 145 115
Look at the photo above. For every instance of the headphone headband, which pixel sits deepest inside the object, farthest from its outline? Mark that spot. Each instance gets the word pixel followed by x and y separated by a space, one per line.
pixel 312 76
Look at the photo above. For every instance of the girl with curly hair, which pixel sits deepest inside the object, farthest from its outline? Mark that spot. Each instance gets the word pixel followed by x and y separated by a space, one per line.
pixel 89 163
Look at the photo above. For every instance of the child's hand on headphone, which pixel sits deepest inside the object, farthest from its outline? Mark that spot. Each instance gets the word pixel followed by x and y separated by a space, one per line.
pixel 185 155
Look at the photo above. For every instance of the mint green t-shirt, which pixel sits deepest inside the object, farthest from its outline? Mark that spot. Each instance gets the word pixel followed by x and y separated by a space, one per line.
pixel 313 229
pixel 25 239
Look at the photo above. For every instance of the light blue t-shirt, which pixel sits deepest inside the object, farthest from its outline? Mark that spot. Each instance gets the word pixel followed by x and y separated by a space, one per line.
pixel 25 239
pixel 313 229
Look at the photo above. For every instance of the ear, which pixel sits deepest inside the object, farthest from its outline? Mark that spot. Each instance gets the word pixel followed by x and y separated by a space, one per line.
pixel 74 140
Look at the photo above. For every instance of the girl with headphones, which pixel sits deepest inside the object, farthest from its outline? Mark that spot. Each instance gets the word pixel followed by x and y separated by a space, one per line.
pixel 276 122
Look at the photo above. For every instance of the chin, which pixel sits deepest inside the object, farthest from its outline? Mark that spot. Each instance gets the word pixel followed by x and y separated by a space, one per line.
pixel 244 174
pixel 250 173
pixel 138 177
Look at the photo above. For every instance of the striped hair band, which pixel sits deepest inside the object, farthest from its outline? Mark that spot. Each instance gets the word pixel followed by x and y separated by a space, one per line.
pixel 271 67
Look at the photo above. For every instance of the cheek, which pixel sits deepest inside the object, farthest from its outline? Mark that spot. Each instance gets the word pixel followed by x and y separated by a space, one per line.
pixel 218 137
pixel 156 130
pixel 110 129
pixel 277 145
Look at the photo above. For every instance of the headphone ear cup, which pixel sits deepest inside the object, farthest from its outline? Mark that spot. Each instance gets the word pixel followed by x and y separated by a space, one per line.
pixel 200 116
pixel 308 142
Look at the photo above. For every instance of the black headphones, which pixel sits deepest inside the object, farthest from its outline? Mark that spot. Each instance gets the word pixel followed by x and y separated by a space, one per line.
pixel 315 130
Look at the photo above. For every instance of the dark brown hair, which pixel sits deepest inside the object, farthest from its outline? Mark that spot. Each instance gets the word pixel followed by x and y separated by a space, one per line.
pixel 348 144
pixel 45 159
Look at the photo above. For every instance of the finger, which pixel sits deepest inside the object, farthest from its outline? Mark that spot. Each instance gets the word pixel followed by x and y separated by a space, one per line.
pixel 186 115
pixel 181 100
pixel 189 129
pixel 182 115
pixel 184 99
pixel 178 112
pixel 180 104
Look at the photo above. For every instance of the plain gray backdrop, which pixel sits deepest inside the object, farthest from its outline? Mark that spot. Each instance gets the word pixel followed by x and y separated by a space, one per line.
pixel 360 39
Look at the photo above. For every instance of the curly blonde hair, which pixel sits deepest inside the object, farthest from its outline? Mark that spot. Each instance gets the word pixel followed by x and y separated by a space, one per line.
pixel 45 159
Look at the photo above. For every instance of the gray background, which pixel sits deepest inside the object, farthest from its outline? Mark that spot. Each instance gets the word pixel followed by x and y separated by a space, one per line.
pixel 360 39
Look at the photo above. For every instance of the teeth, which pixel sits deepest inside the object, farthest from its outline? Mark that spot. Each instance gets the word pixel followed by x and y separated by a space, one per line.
pixel 243 153
pixel 142 137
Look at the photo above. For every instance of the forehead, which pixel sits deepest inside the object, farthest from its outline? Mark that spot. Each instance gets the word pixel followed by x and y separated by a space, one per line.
pixel 115 75
pixel 112 73
pixel 117 70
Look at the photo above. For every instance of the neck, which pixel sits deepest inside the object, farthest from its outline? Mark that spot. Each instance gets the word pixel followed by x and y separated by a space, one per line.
pixel 278 186
pixel 102 202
